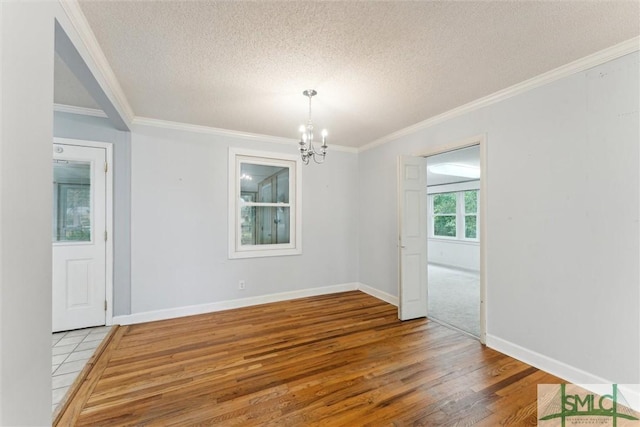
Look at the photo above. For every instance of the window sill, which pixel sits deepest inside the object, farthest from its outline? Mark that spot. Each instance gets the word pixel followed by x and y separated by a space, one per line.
pixel 454 240
pixel 264 253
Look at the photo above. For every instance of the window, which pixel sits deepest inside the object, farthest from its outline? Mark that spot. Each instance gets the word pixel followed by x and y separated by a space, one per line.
pixel 71 201
pixel 444 214
pixel 264 204
pixel 454 215
pixel 471 214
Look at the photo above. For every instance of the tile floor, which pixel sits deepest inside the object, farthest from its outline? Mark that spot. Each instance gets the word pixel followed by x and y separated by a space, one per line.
pixel 71 350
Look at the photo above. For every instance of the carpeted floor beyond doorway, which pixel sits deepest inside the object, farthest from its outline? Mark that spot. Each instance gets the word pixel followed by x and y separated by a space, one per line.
pixel 454 298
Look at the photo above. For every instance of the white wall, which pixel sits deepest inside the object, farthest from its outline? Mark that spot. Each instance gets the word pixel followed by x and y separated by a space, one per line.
pixel 454 253
pixel 179 223
pixel 26 45
pixel 88 128
pixel 26 116
pixel 562 217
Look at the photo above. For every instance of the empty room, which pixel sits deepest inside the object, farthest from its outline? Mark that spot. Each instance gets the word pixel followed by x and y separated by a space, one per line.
pixel 319 213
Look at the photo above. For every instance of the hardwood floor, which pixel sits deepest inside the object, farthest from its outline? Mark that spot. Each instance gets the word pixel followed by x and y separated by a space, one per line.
pixel 333 360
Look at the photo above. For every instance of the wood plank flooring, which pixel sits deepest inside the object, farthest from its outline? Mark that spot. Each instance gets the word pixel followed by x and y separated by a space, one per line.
pixel 333 360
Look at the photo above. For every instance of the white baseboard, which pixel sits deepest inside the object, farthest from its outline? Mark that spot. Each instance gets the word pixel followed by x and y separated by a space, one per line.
pixel 562 370
pixel 190 310
pixel 393 300
pixel 171 313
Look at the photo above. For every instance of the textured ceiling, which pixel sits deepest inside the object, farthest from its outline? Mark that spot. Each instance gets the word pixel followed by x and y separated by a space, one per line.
pixel 378 67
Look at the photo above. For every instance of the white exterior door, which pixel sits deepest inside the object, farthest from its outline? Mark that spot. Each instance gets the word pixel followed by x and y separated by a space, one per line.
pixel 412 214
pixel 79 237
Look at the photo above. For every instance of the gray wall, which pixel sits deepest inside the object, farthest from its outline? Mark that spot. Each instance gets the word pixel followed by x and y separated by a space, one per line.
pixel 180 229
pixel 562 217
pixel 81 127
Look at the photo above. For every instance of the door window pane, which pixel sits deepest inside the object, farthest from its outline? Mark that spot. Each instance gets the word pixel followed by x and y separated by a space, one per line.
pixel 71 201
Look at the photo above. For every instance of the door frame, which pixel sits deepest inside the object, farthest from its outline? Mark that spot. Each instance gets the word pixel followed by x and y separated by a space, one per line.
pixel 481 140
pixel 108 147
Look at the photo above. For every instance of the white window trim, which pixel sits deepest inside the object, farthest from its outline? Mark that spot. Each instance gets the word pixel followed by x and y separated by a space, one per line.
pixel 236 250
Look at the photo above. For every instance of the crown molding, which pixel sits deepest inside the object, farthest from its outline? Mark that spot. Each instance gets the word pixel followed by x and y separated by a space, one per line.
pixel 166 124
pixel 62 108
pixel 111 86
pixel 590 61
pixel 115 93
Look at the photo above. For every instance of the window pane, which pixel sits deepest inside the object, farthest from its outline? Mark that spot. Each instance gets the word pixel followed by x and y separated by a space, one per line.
pixel 470 227
pixel 444 225
pixel 444 203
pixel 271 225
pixel 265 191
pixel 471 201
pixel 71 201
pixel 282 187
pixel 248 225
pixel 282 225
pixel 270 183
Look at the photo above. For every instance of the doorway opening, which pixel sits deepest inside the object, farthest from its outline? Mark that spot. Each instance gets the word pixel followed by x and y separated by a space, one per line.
pixel 453 238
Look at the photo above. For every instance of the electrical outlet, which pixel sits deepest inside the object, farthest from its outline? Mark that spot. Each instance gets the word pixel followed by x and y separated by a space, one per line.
pixel 241 284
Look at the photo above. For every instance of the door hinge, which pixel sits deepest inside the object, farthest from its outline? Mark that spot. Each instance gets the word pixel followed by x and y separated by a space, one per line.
pixel 105 305
pixel 105 235
pixel 106 167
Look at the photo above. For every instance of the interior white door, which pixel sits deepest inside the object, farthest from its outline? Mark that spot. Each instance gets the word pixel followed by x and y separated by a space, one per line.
pixel 79 234
pixel 412 214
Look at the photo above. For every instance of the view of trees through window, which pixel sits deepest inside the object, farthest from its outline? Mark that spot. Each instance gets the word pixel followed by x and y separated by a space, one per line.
pixel 455 213
pixel 444 214
pixel 470 214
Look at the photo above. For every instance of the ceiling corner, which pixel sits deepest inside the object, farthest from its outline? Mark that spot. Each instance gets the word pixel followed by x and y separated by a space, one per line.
pixel 96 61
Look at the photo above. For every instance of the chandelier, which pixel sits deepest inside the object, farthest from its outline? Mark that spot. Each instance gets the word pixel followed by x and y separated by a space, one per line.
pixel 307 150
